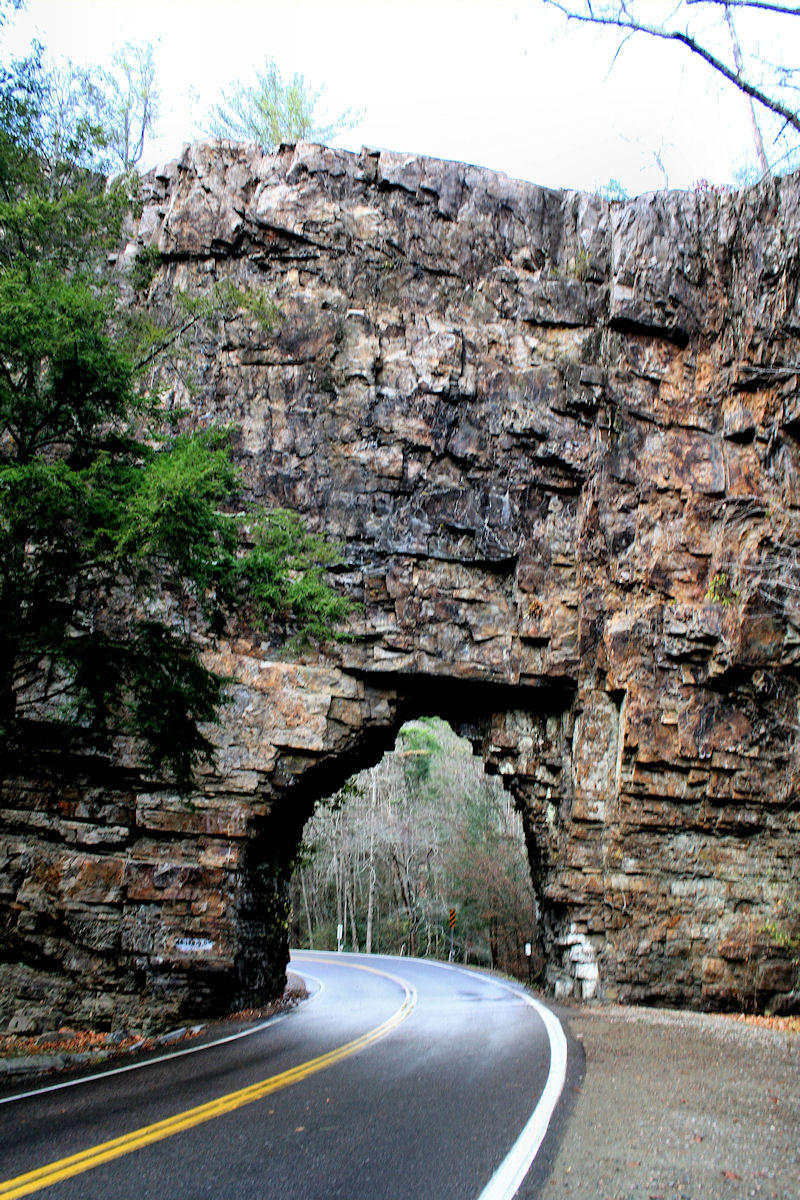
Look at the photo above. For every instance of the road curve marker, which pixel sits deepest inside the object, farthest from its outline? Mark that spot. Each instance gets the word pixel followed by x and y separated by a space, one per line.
pixel 95 1156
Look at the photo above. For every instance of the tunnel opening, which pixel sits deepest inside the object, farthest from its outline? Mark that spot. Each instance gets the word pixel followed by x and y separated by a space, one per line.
pixel 421 854
pixel 517 744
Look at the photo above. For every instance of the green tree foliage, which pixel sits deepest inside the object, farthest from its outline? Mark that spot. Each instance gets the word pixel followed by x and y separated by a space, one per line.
pixel 120 537
pixel 92 116
pixel 127 100
pixel 418 745
pixel 6 7
pixel 275 110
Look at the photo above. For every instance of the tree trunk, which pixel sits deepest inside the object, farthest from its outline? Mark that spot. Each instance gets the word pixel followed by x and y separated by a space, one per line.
pixel 372 873
pixel 405 891
pixel 308 912
pixel 337 874
pixel 343 922
pixel 7 692
pixel 353 929
pixel 761 153
pixel 370 907
pixel 9 640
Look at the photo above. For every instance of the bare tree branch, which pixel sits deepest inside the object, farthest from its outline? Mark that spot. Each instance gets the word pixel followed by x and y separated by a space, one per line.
pixel 624 19
pixel 783 10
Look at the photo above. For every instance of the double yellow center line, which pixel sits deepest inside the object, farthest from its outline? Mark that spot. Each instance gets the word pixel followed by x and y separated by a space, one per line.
pixel 86 1160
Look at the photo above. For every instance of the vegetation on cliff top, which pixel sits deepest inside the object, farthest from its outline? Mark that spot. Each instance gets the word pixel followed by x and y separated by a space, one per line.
pixel 274 110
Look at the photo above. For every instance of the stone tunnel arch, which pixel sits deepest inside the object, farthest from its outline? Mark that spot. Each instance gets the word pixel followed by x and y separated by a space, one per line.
pixel 522 736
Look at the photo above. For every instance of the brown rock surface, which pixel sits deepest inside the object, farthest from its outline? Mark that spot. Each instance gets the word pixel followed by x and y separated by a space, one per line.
pixel 558 441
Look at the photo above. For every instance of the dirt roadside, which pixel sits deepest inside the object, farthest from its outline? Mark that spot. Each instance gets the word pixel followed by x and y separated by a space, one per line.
pixel 679 1106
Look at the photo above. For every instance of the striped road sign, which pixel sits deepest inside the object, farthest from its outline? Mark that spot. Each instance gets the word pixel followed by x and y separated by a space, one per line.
pixel 452 918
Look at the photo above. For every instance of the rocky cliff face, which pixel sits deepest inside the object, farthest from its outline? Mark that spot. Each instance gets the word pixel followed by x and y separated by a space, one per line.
pixel 558 441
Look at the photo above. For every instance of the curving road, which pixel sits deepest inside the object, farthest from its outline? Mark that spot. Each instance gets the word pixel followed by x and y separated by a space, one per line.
pixel 397 1078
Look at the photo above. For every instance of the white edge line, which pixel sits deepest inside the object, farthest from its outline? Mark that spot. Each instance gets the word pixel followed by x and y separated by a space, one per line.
pixel 507 1179
pixel 151 1062
pixel 314 979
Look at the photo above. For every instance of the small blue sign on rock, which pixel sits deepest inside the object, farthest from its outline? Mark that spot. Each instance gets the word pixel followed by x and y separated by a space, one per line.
pixel 195 945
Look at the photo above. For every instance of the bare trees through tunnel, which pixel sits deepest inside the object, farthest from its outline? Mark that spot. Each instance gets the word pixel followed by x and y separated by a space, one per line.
pixel 401 845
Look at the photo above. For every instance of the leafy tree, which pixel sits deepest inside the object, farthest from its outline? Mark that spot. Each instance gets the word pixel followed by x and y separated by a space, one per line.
pixel 275 110
pixel 127 99
pixel 120 536
pixel 490 879
pixel 96 117
pixel 5 5
pixel 418 744
pixel 706 29
pixel 613 190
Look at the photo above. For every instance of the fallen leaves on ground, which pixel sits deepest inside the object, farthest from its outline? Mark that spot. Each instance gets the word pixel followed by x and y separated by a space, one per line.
pixel 778 1024
pixel 76 1041
pixel 71 1041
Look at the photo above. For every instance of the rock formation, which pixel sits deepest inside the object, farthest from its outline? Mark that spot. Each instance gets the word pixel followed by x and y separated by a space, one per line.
pixel 557 438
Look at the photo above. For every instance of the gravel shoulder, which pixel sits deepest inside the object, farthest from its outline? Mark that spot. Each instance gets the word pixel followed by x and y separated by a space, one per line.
pixel 679 1106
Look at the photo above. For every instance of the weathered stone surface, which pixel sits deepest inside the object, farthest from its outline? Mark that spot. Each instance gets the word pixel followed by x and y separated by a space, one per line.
pixel 558 441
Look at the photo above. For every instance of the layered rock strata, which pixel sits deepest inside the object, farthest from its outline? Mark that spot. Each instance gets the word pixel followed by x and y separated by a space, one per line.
pixel 557 439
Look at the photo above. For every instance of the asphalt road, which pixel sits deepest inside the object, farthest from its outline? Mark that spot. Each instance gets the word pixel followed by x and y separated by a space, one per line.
pixel 398 1078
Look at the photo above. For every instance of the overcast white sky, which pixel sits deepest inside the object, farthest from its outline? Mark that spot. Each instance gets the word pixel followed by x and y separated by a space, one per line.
pixel 493 82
